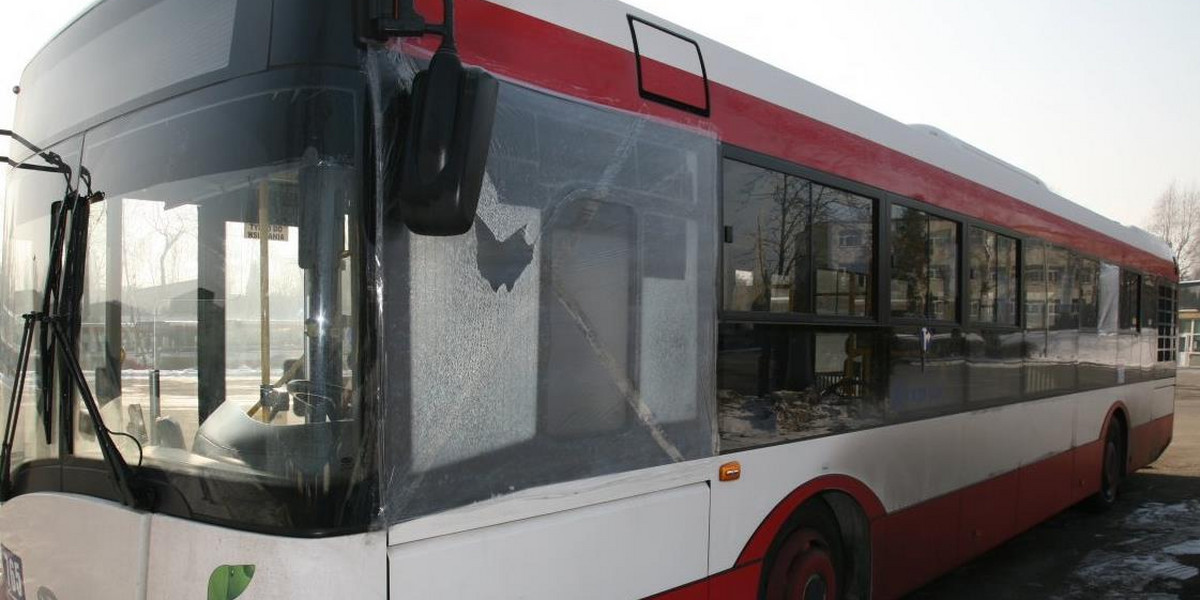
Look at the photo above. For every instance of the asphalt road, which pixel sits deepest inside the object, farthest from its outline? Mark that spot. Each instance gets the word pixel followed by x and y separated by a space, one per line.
pixel 1147 546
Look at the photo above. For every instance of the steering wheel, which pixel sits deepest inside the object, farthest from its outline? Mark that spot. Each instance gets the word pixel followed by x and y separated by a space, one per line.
pixel 310 400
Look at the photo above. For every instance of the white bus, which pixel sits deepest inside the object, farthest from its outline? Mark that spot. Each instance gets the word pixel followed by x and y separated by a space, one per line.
pixel 295 305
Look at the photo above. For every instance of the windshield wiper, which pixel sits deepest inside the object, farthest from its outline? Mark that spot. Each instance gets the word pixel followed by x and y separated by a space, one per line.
pixel 58 317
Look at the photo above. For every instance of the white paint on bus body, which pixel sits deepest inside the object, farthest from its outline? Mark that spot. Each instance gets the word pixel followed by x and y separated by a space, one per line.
pixel 903 464
pixel 628 548
pixel 184 553
pixel 82 547
pixel 77 546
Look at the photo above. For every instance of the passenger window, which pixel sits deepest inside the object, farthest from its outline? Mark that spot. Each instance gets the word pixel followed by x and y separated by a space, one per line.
pixel 844 251
pixel 1149 304
pixel 924 265
pixel 795 246
pixel 1034 277
pixel 766 227
pixel 1062 305
pixel 1127 310
pixel 1166 323
pixel 778 383
pixel 993 278
pixel 1087 290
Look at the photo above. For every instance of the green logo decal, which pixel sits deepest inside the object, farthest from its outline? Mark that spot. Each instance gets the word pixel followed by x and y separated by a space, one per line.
pixel 229 581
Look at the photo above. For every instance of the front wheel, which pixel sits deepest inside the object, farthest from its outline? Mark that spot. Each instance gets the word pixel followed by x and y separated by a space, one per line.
pixel 807 564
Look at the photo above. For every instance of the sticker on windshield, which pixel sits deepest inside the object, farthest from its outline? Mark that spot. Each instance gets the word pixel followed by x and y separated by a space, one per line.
pixel 229 581
pixel 14 575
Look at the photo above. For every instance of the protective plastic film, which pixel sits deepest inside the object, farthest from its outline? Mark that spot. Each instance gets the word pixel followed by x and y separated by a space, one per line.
pixel 569 333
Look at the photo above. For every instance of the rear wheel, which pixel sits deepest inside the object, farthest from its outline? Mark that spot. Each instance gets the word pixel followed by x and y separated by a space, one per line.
pixel 1112 471
pixel 807 563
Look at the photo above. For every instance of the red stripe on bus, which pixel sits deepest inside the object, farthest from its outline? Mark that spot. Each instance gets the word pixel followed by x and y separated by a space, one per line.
pixel 1147 441
pixel 917 544
pixel 543 54
pixel 911 547
pixel 736 583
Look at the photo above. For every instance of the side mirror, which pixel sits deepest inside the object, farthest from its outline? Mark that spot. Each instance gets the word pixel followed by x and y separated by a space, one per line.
pixel 449 133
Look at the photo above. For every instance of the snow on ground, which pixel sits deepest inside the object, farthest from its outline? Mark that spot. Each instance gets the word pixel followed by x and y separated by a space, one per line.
pixel 1159 559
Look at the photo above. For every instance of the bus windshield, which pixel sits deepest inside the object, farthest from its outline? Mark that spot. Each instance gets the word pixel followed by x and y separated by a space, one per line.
pixel 221 302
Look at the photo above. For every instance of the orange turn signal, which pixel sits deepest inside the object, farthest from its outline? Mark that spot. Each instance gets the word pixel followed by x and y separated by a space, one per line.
pixel 731 471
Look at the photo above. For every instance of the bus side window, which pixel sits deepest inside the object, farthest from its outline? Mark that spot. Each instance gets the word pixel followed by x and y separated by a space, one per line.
pixel 783 382
pixel 797 255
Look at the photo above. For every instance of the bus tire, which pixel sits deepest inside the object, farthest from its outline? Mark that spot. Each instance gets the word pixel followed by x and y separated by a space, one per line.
pixel 806 562
pixel 1112 467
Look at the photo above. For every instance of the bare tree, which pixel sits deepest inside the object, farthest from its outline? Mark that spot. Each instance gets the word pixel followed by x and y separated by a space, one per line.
pixel 1176 219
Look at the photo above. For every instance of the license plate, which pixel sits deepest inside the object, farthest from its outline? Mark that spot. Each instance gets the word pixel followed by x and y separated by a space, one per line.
pixel 14 575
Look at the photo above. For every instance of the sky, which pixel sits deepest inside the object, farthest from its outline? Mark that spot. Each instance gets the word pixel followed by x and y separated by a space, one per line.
pixel 1098 98
pixel 25 26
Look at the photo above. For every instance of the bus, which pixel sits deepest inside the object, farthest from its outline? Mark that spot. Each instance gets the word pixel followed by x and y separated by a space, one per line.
pixel 532 299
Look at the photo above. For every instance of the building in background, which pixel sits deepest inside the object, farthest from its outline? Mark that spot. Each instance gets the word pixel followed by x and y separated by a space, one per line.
pixel 1189 323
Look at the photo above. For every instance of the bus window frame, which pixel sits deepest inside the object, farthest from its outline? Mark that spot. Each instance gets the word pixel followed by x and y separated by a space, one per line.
pixel 1018 299
pixel 881 318
pixel 771 163
pixel 960 285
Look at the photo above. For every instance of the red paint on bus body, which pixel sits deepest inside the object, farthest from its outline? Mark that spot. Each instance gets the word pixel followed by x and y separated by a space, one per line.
pixel 736 583
pixel 1043 489
pixel 912 546
pixel 989 515
pixel 1148 441
pixel 543 54
pixel 1085 478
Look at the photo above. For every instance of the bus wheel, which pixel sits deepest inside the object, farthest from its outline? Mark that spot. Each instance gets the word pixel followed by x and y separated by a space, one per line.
pixel 806 566
pixel 1113 470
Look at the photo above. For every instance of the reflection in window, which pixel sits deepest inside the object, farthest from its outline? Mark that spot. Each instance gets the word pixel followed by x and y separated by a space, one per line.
pixel 924 265
pixel 794 245
pixel 768 215
pixel 779 383
pixel 843 251
pixel 994 366
pixel 992 290
pixel 1127 309
pixel 1087 289
pixel 1062 304
pixel 1034 273
pixel 1149 303
pixel 926 372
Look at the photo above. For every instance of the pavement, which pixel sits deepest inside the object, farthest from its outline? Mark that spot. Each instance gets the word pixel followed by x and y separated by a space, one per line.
pixel 1146 547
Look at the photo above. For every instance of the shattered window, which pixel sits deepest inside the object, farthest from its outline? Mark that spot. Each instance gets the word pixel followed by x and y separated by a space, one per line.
pixel 570 334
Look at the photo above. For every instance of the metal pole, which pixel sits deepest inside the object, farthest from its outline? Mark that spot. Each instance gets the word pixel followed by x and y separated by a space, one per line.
pixel 264 285
pixel 155 407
